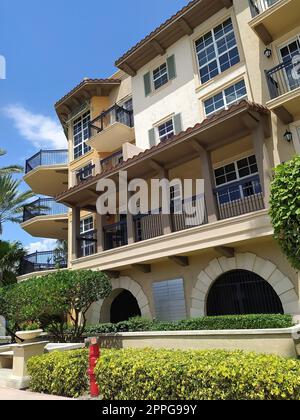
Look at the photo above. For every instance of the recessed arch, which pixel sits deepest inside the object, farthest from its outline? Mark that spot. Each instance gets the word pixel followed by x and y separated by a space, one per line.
pixel 281 284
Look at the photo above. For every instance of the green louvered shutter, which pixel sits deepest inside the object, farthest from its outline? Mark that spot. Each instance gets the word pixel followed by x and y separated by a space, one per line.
pixel 147 83
pixel 177 123
pixel 171 67
pixel 152 139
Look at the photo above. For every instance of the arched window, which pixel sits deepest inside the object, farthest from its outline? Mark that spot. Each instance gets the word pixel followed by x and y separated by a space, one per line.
pixel 241 292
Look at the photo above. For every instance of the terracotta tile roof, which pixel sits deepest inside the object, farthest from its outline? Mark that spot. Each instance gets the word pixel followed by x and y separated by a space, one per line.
pixel 157 30
pixel 239 106
pixel 87 82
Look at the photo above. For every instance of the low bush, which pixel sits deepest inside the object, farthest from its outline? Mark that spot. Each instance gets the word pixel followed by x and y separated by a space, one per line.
pixel 59 373
pixel 196 375
pixel 235 322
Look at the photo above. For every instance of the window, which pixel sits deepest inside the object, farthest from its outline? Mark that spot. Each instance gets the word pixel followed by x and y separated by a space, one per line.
pixel 85 173
pixel 225 98
pixel 166 130
pixel 81 134
pixel 236 170
pixel 87 231
pixel 217 51
pixel 160 76
pixel 176 198
pixel 169 300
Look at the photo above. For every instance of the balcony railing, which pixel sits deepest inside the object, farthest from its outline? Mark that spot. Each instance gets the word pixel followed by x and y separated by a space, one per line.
pixel 259 6
pixel 43 261
pixel 43 207
pixel 85 173
pixel 115 235
pixel 283 78
pixel 87 244
pixel 46 158
pixel 240 198
pixel 109 117
pixel 111 161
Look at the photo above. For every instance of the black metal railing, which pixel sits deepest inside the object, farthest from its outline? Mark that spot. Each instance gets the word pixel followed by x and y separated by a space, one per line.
pixel 87 244
pixel 109 117
pixel 85 173
pixel 115 235
pixel 240 198
pixel 43 207
pixel 46 158
pixel 259 6
pixel 43 261
pixel 283 78
pixel 111 161
pixel 190 213
pixel 148 225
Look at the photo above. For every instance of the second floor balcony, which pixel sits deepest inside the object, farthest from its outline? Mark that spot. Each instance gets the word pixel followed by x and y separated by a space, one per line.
pixel 46 218
pixel 271 19
pixel 43 261
pixel 46 172
pixel 111 129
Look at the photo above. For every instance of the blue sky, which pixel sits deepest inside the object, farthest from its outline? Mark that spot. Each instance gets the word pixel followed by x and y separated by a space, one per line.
pixel 49 47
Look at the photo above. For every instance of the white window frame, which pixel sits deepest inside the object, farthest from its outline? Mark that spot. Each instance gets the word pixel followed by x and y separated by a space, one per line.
pixel 153 78
pixel 86 245
pixel 82 131
pixel 157 126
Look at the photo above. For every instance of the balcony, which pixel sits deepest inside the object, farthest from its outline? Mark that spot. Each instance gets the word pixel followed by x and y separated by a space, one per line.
pixel 111 161
pixel 85 173
pixel 284 88
pixel 43 261
pixel 111 129
pixel 274 18
pixel 115 235
pixel 45 218
pixel 47 172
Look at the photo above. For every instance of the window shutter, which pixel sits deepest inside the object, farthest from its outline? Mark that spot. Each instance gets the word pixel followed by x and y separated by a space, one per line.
pixel 171 67
pixel 147 83
pixel 177 123
pixel 152 139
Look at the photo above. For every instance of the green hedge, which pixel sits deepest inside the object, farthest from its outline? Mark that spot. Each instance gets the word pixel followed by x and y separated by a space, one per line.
pixel 59 373
pixel 196 375
pixel 236 322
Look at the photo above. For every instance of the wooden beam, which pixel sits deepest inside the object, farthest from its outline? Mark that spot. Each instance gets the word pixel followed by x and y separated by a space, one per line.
pixel 112 274
pixel 225 251
pixel 156 166
pixel 93 209
pixel 250 121
pixel 264 34
pixel 98 91
pixel 186 28
pixel 197 146
pixel 144 268
pixel 85 94
pixel 284 115
pixel 158 47
pixel 128 69
pixel 182 261
pixel 227 3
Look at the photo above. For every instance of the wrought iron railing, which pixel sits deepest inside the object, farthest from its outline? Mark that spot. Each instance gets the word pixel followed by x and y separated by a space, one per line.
pixel 283 78
pixel 115 235
pixel 85 173
pixel 43 207
pixel 111 161
pixel 109 117
pixel 259 6
pixel 148 225
pixel 43 261
pixel 191 213
pixel 87 244
pixel 240 198
pixel 46 158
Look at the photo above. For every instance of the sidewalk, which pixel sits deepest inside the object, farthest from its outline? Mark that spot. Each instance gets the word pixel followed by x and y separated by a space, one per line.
pixel 13 394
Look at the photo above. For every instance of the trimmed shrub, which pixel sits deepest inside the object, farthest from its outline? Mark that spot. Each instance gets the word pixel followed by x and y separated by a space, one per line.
pixel 234 322
pixel 59 373
pixel 196 375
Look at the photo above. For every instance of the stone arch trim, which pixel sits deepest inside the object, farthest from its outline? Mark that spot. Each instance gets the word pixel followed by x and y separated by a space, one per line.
pixel 250 262
pixel 125 283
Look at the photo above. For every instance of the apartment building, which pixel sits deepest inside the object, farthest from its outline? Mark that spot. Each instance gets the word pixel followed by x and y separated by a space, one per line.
pixel 211 94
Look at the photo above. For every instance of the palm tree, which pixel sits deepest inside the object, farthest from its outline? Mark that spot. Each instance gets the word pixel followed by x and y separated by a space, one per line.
pixel 12 200
pixel 11 255
pixel 12 169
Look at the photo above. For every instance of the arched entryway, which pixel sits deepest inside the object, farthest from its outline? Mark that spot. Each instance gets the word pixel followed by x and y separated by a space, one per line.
pixel 124 307
pixel 240 292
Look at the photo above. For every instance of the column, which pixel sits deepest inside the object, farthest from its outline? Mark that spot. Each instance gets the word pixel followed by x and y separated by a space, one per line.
pixel 75 231
pixel 208 176
pixel 100 234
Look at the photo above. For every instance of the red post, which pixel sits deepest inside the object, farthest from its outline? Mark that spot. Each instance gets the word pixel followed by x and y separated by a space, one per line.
pixel 93 358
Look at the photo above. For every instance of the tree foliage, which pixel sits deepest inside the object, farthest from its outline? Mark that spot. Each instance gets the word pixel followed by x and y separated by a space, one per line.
pixel 11 254
pixel 285 209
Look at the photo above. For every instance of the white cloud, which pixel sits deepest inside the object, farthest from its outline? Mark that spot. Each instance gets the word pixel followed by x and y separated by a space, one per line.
pixel 44 245
pixel 42 131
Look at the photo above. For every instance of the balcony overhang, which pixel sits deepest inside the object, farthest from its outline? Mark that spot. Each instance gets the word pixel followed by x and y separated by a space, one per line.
pixel 54 227
pixel 112 138
pixel 287 106
pixel 48 180
pixel 220 129
pixel 181 24
pixel 277 20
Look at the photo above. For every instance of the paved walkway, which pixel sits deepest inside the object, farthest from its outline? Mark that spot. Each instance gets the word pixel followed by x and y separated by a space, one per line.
pixel 13 394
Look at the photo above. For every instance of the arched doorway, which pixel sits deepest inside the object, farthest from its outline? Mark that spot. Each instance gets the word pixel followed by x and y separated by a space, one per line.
pixel 124 307
pixel 241 292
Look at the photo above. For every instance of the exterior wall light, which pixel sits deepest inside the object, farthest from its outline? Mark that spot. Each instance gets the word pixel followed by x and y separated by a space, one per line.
pixel 288 136
pixel 268 53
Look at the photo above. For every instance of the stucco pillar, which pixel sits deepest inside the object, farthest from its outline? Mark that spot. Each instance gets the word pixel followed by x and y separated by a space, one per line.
pixel 166 219
pixel 100 234
pixel 75 231
pixel 208 176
